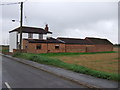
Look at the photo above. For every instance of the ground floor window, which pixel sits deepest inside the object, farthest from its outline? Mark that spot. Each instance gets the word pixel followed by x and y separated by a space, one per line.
pixel 57 46
pixel 38 47
pixel 26 46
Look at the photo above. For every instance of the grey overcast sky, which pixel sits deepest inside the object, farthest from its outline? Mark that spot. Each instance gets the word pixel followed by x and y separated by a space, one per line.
pixel 65 19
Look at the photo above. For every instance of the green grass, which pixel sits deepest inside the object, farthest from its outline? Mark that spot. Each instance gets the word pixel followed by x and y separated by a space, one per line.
pixel 65 54
pixel 5 50
pixel 76 68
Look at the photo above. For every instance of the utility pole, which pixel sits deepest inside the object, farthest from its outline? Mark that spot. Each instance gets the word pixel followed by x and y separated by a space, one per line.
pixel 21 19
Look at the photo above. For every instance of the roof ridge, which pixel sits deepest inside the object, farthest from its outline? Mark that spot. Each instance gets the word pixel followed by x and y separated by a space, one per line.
pixel 26 29
pixel 32 27
pixel 69 38
pixel 94 38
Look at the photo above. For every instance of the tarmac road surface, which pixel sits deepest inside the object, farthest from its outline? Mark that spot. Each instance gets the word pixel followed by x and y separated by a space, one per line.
pixel 18 75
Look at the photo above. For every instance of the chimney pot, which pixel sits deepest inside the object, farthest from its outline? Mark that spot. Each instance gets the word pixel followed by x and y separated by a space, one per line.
pixel 46 27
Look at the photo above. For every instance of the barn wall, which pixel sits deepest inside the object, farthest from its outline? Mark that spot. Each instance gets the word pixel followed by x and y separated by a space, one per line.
pixel 88 48
pixel 100 48
pixel 51 48
pixel 77 48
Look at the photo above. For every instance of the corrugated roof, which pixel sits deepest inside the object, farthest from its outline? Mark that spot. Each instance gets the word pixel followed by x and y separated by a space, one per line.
pixel 74 41
pixel 26 29
pixel 97 41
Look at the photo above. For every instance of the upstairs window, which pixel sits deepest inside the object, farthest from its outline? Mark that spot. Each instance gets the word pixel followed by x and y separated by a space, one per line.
pixel 57 46
pixel 40 36
pixel 30 35
pixel 38 47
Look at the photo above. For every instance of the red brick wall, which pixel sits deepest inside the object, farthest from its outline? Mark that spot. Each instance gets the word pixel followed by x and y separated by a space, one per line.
pixel 50 48
pixel 32 48
pixel 45 48
pixel 100 48
pixel 88 48
pixel 76 48
pixel 24 43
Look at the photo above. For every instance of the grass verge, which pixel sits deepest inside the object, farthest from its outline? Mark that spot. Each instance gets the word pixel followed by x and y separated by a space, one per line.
pixel 65 54
pixel 5 50
pixel 76 68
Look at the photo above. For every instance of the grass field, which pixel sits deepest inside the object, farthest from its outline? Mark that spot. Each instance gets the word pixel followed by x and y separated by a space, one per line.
pixel 107 62
pixel 101 61
pixel 98 64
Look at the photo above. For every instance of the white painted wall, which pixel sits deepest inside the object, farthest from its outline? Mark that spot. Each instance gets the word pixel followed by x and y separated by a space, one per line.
pixel 45 36
pixel 49 35
pixel 12 41
pixel 24 35
pixel 35 36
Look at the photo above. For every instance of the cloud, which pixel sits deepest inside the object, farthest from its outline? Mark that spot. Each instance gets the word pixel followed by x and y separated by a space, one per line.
pixel 109 30
pixel 70 19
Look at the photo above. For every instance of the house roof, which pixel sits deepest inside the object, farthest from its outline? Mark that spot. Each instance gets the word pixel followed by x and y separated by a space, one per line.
pixel 49 40
pixel 26 29
pixel 97 41
pixel 74 41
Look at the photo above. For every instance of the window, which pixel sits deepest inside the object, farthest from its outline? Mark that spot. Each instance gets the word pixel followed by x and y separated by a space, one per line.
pixel 30 35
pixel 38 47
pixel 40 36
pixel 26 46
pixel 57 46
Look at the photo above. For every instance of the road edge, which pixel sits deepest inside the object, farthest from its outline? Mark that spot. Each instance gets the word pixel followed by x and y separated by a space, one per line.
pixel 64 77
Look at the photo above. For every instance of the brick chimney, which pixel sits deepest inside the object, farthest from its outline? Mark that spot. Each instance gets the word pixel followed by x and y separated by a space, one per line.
pixel 46 27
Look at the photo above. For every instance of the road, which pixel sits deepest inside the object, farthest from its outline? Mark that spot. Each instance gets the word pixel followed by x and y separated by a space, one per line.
pixel 19 75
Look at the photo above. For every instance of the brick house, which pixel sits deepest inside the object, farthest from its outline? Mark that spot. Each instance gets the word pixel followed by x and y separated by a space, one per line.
pixel 27 33
pixel 50 45
pixel 39 40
